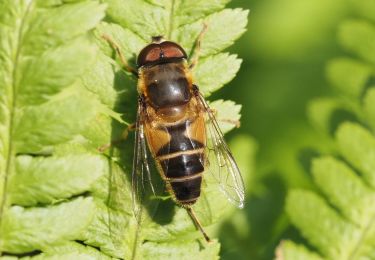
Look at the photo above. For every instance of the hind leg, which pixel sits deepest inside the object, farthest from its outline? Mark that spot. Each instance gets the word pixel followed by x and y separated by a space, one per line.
pixel 123 137
pixel 197 47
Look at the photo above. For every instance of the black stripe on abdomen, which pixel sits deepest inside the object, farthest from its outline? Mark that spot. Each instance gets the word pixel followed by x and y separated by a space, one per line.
pixel 182 162
pixel 184 174
pixel 179 142
pixel 183 165
pixel 187 191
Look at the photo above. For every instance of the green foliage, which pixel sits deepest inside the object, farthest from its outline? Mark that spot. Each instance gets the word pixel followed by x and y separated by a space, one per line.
pixel 62 94
pixel 337 217
pixel 289 250
pixel 40 61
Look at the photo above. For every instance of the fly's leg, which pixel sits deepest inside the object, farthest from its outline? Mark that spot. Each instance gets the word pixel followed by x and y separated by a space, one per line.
pixel 198 224
pixel 130 69
pixel 236 123
pixel 123 137
pixel 214 111
pixel 123 61
pixel 160 197
pixel 197 47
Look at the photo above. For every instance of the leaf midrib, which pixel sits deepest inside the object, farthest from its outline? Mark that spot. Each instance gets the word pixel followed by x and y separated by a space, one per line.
pixel 171 20
pixel 13 98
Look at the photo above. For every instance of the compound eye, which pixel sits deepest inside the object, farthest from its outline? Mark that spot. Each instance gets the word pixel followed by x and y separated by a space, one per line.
pixel 160 52
pixel 150 53
pixel 172 50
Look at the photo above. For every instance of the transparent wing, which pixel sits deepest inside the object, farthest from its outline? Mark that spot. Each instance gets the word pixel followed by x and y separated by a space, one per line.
pixel 222 167
pixel 141 173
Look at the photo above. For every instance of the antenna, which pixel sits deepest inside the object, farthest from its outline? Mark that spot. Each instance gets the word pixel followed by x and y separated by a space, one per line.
pixel 157 39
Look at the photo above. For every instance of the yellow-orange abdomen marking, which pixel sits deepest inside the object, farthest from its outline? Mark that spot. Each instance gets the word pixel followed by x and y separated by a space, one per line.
pixel 182 163
pixel 176 130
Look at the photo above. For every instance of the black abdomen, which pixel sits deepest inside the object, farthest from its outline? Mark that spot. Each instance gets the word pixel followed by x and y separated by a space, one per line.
pixel 182 162
pixel 187 192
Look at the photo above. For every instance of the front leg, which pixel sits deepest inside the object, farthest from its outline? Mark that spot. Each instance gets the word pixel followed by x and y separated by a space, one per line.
pixel 123 60
pixel 197 47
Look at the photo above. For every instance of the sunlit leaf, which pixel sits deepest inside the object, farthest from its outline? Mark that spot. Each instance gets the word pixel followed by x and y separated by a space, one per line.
pixel 337 219
pixel 44 49
pixel 358 36
pixel 64 96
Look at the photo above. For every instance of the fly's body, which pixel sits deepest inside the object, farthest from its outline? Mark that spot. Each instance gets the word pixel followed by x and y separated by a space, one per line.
pixel 175 124
pixel 174 128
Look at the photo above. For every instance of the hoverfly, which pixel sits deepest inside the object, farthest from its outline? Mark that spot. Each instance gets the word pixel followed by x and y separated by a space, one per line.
pixel 176 125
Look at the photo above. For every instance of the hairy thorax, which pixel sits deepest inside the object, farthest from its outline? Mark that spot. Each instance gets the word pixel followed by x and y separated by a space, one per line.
pixel 167 88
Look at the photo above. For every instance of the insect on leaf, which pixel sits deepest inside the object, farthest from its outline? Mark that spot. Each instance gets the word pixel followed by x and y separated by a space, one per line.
pixel 64 97
pixel 130 25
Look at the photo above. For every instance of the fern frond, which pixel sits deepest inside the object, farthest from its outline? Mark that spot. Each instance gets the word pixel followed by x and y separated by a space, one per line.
pixel 338 219
pixel 44 49
pixel 132 24
pixel 62 98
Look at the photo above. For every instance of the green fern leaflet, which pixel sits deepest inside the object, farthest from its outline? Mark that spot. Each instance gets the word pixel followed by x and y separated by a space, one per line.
pixel 338 218
pixel 63 95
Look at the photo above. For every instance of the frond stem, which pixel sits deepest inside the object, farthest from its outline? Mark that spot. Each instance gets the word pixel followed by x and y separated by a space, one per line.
pixel 171 21
pixel 12 101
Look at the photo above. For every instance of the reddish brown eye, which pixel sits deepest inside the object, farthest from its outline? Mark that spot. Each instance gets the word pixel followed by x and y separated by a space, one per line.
pixel 160 52
pixel 172 50
pixel 150 53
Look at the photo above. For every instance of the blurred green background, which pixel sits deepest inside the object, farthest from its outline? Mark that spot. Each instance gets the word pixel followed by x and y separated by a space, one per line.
pixel 284 52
